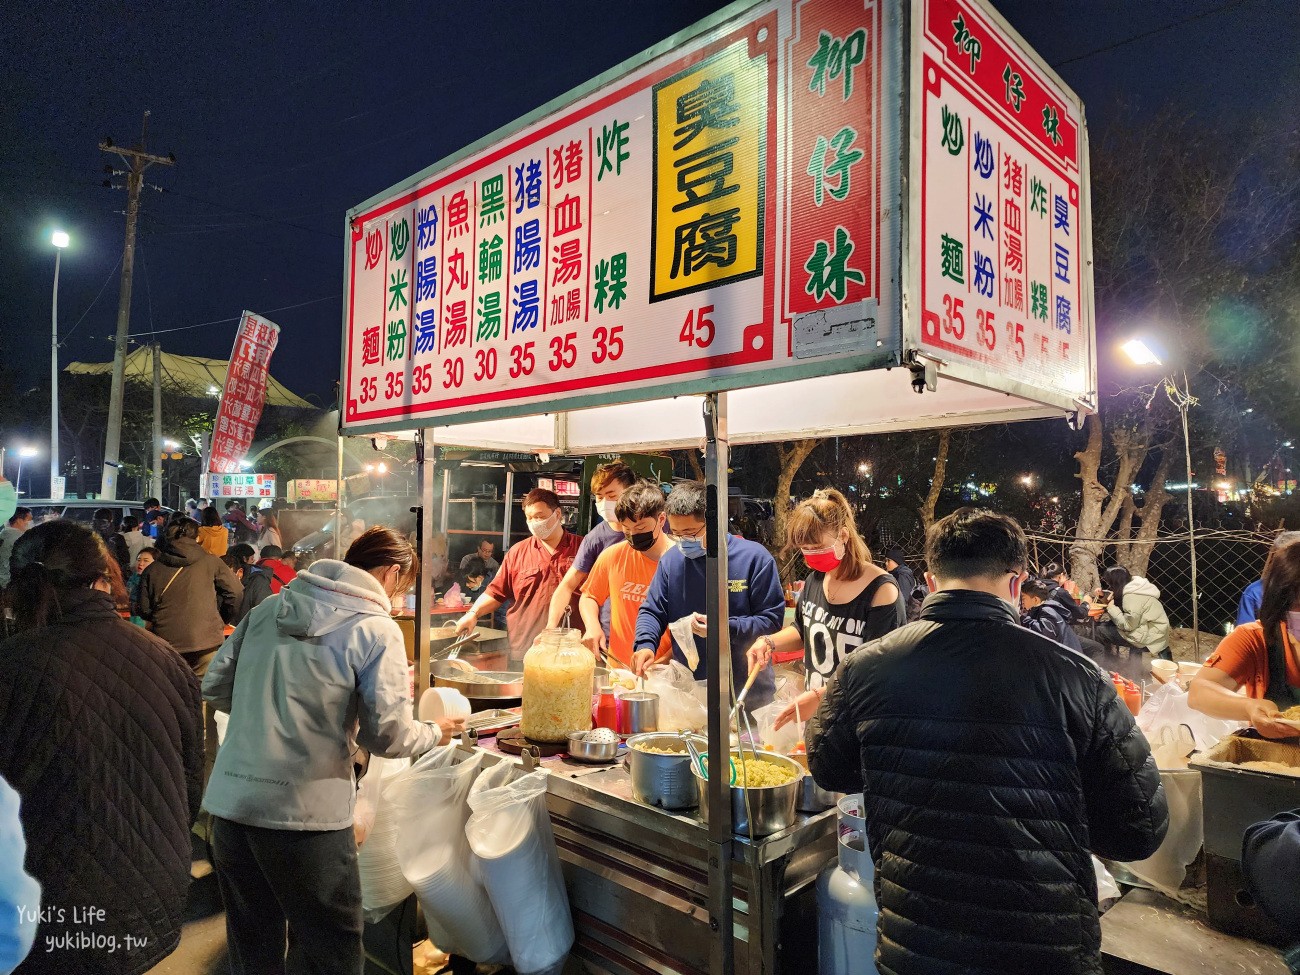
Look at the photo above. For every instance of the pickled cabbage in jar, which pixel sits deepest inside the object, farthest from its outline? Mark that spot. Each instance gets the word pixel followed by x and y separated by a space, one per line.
pixel 558 674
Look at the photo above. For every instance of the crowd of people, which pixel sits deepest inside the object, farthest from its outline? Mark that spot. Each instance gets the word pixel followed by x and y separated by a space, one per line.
pixel 963 694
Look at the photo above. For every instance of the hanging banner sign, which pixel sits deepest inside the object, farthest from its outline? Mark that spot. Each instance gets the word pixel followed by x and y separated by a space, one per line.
pixel 245 393
pixel 1000 215
pixel 707 217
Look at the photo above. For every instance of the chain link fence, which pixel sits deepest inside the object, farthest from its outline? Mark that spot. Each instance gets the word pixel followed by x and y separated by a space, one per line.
pixel 1226 562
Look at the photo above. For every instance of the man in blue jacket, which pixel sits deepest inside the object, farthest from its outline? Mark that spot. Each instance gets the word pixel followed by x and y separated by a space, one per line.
pixel 1253 595
pixel 756 600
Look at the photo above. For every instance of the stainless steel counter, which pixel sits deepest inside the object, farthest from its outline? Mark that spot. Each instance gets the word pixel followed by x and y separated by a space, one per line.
pixel 637 878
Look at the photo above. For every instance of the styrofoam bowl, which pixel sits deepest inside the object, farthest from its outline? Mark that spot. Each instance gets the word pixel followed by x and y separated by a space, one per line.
pixel 443 702
pixel 1163 669
pixel 1189 668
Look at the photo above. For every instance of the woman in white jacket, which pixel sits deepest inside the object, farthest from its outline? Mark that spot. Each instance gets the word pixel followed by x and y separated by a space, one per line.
pixel 307 677
pixel 1135 613
pixel 20 895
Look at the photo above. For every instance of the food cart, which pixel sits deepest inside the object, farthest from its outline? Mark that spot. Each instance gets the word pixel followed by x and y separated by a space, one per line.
pixel 797 218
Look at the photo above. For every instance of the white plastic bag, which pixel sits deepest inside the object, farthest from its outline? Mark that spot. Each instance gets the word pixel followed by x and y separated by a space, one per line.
pixel 1166 869
pixel 382 885
pixel 679 710
pixel 1167 707
pixel 1107 889
pixel 434 856
pixel 510 834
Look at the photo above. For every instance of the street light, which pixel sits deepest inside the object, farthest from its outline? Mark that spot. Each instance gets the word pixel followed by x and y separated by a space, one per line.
pixel 1141 355
pixel 24 453
pixel 1027 480
pixel 60 240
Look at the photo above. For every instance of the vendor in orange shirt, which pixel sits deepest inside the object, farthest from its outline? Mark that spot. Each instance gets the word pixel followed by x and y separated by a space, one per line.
pixel 1263 657
pixel 623 572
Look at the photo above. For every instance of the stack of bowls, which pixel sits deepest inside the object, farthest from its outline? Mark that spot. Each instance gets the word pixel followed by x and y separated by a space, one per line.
pixel 382 883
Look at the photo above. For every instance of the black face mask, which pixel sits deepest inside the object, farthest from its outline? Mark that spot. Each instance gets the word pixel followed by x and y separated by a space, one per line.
pixel 642 541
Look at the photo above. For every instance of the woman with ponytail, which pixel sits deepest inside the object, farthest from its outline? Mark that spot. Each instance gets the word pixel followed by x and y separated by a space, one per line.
pixel 102 740
pixel 846 601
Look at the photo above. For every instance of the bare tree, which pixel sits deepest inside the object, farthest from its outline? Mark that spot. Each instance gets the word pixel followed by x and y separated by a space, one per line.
pixel 790 456
pixel 926 510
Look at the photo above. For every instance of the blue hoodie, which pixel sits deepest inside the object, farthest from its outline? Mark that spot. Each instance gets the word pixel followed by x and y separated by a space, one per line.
pixel 756 604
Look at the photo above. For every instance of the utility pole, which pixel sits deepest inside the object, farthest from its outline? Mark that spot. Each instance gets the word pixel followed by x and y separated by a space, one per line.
pixel 156 486
pixel 137 161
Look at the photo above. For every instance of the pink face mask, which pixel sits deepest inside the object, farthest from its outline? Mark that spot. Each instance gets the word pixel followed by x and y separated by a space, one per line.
pixel 1293 623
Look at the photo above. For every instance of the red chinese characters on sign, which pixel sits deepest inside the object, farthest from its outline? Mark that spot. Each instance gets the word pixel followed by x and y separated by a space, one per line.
pixel 245 393
pixel 833 159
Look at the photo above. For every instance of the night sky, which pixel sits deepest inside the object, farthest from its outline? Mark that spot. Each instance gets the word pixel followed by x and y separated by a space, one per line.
pixel 281 116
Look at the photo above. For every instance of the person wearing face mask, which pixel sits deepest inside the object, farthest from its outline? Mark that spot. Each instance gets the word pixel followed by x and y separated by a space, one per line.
pixel 622 575
pixel 991 764
pixel 846 599
pixel 308 678
pixel 530 574
pixel 607 485
pixel 755 600
pixel 1263 657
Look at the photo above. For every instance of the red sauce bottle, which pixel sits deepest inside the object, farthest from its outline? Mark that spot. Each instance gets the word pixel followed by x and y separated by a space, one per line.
pixel 607 710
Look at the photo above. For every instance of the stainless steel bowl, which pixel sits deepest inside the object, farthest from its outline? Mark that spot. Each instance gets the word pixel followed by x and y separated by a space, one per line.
pixel 662 780
pixel 774 807
pixel 591 751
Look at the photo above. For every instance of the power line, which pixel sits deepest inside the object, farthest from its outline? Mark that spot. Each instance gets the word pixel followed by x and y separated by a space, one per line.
pixel 68 334
pixel 1152 33
pixel 223 321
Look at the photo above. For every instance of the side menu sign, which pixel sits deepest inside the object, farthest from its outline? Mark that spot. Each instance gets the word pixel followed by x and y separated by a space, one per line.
pixel 708 219
pixel 1000 218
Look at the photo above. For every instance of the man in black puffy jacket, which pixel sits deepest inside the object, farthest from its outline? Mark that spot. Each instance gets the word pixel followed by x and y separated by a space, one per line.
pixel 992 763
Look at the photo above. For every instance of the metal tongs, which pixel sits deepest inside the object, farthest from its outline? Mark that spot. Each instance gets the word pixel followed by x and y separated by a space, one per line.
pixel 454 654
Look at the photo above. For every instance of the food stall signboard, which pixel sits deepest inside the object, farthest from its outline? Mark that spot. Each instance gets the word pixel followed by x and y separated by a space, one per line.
pixel 244 485
pixel 313 489
pixel 719 212
pixel 1000 213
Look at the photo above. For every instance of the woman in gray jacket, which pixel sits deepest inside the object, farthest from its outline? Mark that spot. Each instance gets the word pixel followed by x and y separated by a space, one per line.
pixel 306 679
pixel 1135 614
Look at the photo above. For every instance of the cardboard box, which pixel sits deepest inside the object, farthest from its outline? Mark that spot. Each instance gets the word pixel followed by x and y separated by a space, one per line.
pixel 1237 797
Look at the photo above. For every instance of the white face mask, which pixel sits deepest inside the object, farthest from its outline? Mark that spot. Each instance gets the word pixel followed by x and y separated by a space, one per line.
pixel 542 527
pixel 605 510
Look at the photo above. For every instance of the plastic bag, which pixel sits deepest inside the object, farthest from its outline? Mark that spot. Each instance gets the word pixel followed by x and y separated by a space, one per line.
pixel 764 720
pixel 1167 707
pixel 367 804
pixel 1166 869
pixel 510 835
pixel 679 710
pixel 1107 889
pixel 382 885
pixel 434 856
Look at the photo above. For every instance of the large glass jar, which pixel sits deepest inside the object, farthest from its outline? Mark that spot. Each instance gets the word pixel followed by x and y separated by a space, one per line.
pixel 558 674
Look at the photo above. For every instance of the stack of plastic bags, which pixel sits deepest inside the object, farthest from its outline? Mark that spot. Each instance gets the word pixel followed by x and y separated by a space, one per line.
pixel 382 885
pixel 430 805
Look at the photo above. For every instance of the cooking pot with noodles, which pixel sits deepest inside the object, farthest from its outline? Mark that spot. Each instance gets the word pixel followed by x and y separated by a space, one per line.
pixel 558 673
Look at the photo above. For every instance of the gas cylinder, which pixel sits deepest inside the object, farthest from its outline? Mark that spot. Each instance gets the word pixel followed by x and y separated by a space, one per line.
pixel 846 909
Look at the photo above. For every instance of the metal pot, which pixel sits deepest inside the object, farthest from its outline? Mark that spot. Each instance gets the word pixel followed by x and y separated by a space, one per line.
pixel 638 713
pixel 662 780
pixel 774 807
pixel 813 798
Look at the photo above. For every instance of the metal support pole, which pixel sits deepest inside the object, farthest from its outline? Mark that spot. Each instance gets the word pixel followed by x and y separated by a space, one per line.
pixel 718 653
pixel 156 485
pixel 425 466
pixel 509 512
pixel 1184 403
pixel 54 375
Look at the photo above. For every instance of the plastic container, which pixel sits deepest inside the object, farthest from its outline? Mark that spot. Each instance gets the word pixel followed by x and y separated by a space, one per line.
pixel 558 674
